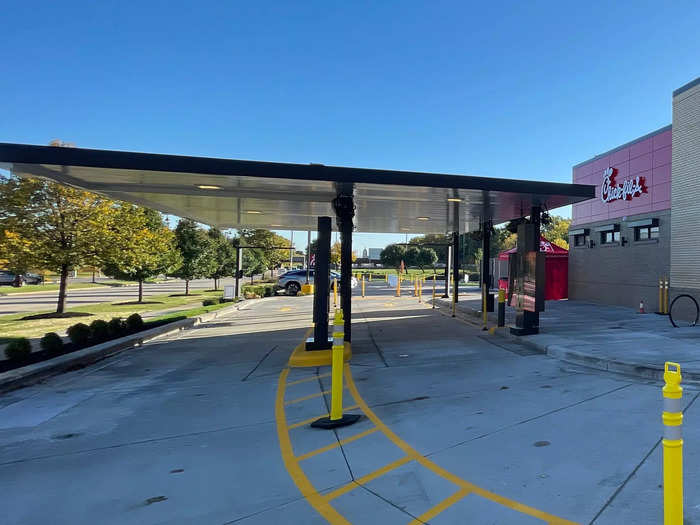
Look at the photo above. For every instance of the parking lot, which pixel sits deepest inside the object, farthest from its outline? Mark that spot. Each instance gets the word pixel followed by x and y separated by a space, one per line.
pixel 210 425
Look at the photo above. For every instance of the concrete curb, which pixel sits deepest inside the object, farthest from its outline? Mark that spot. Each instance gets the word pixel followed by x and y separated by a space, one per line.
pixel 29 374
pixel 555 347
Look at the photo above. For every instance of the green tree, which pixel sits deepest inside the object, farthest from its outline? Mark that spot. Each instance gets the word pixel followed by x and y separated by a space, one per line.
pixel 271 258
pixel 411 255
pixel 426 258
pixel 142 247
pixel 434 238
pixel 196 251
pixel 253 262
pixel 557 231
pixel 47 226
pixel 224 256
pixel 392 256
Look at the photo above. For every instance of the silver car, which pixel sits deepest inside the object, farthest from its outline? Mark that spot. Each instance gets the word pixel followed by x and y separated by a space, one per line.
pixel 292 281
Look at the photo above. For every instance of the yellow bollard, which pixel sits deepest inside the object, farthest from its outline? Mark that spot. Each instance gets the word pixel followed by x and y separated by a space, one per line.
pixel 667 289
pixel 336 417
pixel 672 418
pixel 335 293
pixel 420 292
pixel 454 301
pixel 362 280
pixel 433 291
pixel 386 277
pixel 370 276
pixel 661 296
pixel 337 368
pixel 398 286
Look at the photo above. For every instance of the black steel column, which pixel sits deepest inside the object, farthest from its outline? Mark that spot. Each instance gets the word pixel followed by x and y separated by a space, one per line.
pixel 239 266
pixel 486 255
pixel 455 264
pixel 321 286
pixel 345 211
pixel 448 262
pixel 535 219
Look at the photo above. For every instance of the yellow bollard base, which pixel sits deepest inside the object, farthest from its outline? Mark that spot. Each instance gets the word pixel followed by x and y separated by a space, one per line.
pixel 328 423
pixel 307 289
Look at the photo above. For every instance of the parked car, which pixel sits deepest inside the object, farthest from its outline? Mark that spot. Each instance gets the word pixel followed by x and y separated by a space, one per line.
pixel 9 278
pixel 292 281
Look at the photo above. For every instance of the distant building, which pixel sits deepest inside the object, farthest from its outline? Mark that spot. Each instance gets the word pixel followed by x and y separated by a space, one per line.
pixel 373 254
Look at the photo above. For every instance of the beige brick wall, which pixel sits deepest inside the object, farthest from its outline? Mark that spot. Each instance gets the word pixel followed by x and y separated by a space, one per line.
pixel 685 190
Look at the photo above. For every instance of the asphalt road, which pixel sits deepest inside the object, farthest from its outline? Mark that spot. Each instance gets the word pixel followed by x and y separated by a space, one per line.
pixel 39 301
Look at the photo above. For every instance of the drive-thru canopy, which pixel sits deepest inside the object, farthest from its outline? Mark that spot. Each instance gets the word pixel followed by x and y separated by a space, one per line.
pixel 236 193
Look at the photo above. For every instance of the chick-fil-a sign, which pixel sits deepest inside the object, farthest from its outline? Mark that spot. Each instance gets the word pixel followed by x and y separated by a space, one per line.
pixel 629 188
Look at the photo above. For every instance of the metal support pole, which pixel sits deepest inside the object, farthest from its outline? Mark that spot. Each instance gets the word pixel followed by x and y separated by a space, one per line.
pixel 455 262
pixel 335 293
pixel 344 207
pixel 672 418
pixel 661 296
pixel 501 308
pixel 666 294
pixel 321 284
pixel 448 262
pixel 433 290
pixel 239 266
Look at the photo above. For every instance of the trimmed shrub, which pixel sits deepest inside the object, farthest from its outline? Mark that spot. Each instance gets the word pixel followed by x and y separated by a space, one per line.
pixel 79 334
pixel 18 349
pixel 134 323
pixel 99 331
pixel 268 291
pixel 116 327
pixel 52 343
pixel 210 302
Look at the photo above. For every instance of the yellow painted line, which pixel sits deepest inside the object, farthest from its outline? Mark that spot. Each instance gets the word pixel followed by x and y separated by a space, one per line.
pixel 312 419
pixel 337 444
pixel 304 398
pixel 415 455
pixel 286 309
pixel 307 379
pixel 305 486
pixel 437 509
pixel 366 479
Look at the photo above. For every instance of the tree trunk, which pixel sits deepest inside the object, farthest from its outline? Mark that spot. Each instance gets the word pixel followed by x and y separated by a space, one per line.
pixel 140 290
pixel 93 276
pixel 61 306
pixel 216 284
pixel 187 287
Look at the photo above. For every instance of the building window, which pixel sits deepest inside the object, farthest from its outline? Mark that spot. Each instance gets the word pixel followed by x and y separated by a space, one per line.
pixel 581 239
pixel 609 237
pixel 645 233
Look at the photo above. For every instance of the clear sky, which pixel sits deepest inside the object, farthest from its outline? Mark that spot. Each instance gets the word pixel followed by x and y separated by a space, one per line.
pixel 512 89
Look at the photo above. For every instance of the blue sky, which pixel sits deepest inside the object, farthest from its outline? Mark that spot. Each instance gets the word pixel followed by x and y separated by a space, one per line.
pixel 512 89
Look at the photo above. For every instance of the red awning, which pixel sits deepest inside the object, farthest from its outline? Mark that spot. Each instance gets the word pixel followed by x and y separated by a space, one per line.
pixel 552 250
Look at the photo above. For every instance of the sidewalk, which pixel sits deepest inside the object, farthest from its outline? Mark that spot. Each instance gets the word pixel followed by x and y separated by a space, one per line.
pixel 610 338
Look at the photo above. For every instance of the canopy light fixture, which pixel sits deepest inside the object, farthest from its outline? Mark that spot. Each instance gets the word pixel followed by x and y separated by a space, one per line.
pixel 254 212
pixel 423 218
pixel 208 187
pixel 454 199
pixel 274 225
pixel 405 229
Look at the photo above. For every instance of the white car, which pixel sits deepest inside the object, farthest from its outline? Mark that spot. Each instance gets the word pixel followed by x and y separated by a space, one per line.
pixel 292 281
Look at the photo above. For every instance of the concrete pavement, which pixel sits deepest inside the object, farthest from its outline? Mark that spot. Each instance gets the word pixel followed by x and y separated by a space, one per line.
pixel 210 426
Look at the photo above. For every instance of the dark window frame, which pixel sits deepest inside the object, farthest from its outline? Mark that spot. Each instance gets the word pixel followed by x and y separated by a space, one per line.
pixel 646 233
pixel 609 237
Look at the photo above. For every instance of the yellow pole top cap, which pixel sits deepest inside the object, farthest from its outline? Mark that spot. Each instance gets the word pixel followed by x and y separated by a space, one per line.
pixel 671 376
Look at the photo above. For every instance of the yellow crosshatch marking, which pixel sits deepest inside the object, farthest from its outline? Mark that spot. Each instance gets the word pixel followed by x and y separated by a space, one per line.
pixel 322 503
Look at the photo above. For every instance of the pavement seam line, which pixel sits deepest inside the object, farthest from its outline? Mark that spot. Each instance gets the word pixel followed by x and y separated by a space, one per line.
pixel 292 465
pixel 430 465
pixel 443 505
pixel 366 478
pixel 259 363
pixel 636 468
pixel 337 444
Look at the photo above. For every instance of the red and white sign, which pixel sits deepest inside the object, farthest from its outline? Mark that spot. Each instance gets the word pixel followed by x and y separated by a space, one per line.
pixel 610 191
pixel 312 261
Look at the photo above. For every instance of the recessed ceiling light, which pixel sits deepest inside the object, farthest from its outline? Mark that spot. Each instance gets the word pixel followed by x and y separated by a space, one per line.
pixel 254 212
pixel 274 225
pixel 423 218
pixel 405 229
pixel 453 199
pixel 208 187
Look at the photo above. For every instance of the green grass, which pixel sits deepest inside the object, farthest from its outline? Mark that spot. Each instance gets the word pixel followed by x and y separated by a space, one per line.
pixel 184 314
pixel 28 288
pixel 14 326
